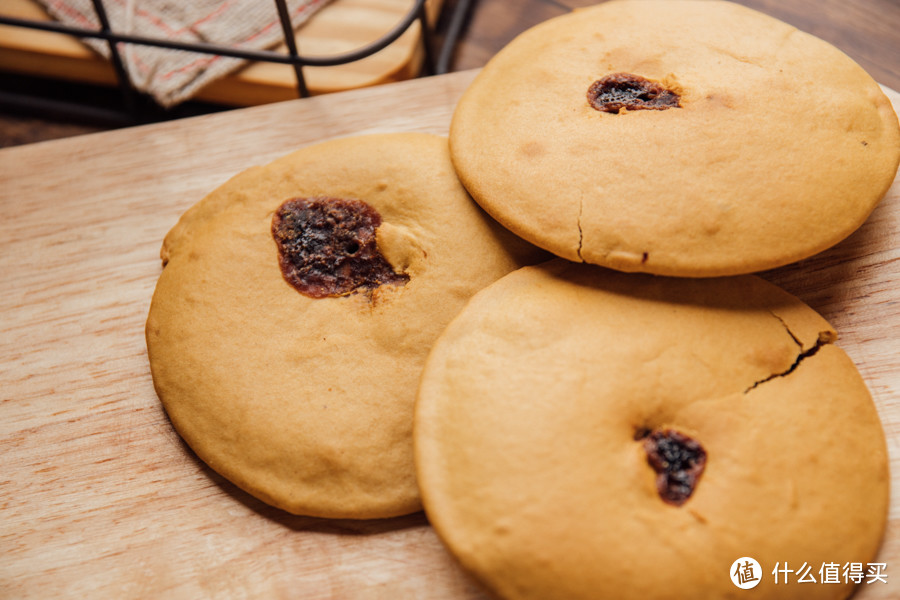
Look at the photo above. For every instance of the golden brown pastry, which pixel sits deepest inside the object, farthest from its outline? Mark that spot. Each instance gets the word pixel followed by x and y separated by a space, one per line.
pixel 583 433
pixel 297 305
pixel 689 138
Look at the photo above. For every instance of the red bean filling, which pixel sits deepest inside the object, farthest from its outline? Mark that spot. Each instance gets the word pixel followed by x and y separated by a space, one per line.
pixel 326 247
pixel 632 92
pixel 678 461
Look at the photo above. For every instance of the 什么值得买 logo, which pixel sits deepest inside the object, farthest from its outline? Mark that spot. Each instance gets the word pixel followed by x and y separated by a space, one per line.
pixel 747 573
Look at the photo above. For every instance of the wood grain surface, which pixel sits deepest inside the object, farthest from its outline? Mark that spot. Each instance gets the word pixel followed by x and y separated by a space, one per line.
pixel 100 498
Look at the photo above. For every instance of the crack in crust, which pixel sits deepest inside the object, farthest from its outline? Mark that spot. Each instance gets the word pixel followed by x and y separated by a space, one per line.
pixel 825 337
pixel 580 232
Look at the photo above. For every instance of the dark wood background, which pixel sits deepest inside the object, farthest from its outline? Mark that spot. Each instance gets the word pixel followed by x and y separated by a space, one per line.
pixel 867 30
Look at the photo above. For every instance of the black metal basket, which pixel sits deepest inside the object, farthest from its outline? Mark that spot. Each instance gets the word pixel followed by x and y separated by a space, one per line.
pixel 131 114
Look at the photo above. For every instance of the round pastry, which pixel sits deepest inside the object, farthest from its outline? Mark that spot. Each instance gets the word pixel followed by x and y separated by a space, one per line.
pixel 583 433
pixel 296 308
pixel 688 138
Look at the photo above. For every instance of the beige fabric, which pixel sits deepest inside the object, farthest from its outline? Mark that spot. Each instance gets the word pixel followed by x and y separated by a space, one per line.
pixel 172 76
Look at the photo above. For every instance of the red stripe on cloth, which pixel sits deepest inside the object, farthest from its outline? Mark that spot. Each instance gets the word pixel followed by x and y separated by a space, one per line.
pixel 154 19
pixel 208 60
pixel 73 13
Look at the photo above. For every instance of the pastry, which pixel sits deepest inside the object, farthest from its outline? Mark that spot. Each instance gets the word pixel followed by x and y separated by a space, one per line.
pixel 690 138
pixel 296 307
pixel 583 433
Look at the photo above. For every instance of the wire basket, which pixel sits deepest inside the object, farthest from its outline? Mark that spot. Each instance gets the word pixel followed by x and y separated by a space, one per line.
pixel 432 63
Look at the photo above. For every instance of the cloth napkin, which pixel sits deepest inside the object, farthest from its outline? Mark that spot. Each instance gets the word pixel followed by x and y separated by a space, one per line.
pixel 172 76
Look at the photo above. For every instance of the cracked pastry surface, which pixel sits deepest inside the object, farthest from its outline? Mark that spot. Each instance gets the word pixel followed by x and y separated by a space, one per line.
pixel 304 396
pixel 539 402
pixel 780 145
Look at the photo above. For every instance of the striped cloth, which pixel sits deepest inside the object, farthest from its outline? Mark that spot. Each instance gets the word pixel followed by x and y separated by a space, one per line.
pixel 173 76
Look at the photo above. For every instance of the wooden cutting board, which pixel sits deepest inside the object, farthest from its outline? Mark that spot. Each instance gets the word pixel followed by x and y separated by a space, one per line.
pixel 101 499
pixel 341 26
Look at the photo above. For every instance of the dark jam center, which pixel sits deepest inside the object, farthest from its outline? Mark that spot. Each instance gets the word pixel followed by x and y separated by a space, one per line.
pixel 678 461
pixel 326 247
pixel 632 92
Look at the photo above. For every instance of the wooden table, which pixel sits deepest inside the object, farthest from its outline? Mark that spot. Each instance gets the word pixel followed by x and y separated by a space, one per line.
pixel 99 497
pixel 867 30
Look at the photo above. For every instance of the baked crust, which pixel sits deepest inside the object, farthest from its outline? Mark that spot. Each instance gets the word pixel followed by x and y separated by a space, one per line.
pixel 536 401
pixel 781 147
pixel 304 402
